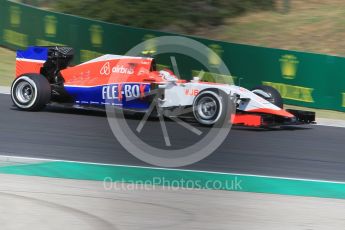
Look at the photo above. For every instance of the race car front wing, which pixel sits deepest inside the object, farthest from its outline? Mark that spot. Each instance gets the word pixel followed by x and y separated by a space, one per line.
pixel 269 120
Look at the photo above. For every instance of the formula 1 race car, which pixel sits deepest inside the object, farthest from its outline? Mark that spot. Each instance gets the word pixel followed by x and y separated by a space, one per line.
pixel 44 75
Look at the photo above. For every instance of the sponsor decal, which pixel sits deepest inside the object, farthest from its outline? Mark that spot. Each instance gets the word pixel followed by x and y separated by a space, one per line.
pixel 120 92
pixel 15 38
pixel 191 92
pixel 289 63
pixel 215 54
pixel 50 25
pixel 111 92
pixel 107 70
pixel 142 90
pixel 122 69
pixel 145 62
pixel 293 92
pixel 15 16
pixel 96 35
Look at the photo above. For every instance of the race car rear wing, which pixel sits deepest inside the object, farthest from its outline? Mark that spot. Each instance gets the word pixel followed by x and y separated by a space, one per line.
pixel 45 60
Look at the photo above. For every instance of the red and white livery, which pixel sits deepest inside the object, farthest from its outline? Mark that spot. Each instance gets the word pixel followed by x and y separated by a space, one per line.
pixel 43 76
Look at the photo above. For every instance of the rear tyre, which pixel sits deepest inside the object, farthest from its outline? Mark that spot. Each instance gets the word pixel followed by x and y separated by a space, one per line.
pixel 31 92
pixel 212 107
pixel 269 94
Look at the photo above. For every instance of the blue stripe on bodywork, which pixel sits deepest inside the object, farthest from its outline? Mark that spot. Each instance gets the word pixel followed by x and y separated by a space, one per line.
pixel 34 53
pixel 100 95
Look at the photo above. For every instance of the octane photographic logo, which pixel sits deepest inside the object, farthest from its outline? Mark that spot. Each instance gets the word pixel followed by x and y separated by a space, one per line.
pixel 136 138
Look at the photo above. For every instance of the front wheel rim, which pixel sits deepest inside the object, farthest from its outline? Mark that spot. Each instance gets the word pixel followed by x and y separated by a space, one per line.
pixel 207 108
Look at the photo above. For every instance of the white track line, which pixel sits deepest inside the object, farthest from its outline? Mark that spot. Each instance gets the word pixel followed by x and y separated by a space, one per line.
pixel 5 90
pixel 330 122
pixel 19 159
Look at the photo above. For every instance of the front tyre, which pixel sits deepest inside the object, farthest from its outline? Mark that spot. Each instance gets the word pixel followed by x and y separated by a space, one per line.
pixel 211 107
pixel 31 92
pixel 270 94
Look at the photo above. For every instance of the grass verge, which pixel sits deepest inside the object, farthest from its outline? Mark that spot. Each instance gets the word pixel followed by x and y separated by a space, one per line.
pixel 310 25
pixel 7 66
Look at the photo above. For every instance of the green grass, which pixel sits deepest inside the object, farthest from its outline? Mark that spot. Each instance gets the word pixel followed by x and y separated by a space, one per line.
pixel 7 66
pixel 313 26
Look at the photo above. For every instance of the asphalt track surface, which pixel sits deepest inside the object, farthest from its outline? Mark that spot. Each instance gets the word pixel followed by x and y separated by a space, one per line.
pixel 309 152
